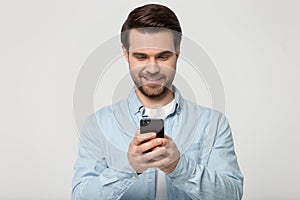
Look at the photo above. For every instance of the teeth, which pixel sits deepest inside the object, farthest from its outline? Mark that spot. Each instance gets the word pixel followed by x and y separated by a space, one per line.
pixel 153 79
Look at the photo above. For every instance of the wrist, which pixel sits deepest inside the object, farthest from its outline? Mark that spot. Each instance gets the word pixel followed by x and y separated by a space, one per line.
pixel 169 169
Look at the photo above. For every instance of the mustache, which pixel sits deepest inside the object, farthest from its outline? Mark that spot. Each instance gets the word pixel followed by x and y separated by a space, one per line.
pixel 152 77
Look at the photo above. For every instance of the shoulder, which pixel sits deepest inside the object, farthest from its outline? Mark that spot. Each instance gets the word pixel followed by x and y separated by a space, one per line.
pixel 106 114
pixel 203 111
pixel 205 116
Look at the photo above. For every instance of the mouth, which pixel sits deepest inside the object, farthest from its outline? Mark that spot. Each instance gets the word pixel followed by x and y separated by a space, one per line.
pixel 152 81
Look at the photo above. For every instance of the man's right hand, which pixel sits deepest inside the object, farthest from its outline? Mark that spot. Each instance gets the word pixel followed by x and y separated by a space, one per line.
pixel 141 143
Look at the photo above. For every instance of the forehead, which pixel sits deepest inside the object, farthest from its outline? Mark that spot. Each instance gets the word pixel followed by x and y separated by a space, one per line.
pixel 162 40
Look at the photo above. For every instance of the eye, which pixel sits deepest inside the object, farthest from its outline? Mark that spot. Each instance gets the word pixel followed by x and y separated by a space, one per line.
pixel 141 58
pixel 163 57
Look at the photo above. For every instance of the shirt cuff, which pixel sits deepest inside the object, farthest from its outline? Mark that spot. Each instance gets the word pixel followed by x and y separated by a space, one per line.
pixel 110 176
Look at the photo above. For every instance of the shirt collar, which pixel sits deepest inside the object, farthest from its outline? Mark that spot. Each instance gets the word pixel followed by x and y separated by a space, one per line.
pixel 136 106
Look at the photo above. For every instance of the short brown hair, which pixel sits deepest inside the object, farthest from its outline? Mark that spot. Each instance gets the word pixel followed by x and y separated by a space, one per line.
pixel 154 16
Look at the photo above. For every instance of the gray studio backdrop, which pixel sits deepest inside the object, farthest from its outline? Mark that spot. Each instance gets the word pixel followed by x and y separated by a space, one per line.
pixel 254 46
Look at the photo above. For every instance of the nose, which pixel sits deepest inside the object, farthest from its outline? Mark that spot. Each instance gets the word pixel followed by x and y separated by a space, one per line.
pixel 152 68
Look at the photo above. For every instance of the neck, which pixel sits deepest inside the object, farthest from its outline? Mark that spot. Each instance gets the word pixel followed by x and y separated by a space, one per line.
pixel 149 102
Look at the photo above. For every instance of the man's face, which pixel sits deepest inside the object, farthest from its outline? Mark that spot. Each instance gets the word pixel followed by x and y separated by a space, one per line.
pixel 152 61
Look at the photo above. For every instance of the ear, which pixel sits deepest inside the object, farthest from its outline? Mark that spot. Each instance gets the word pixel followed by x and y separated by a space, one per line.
pixel 125 53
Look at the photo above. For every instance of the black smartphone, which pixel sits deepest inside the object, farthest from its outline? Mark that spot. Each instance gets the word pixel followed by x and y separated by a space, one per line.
pixel 152 125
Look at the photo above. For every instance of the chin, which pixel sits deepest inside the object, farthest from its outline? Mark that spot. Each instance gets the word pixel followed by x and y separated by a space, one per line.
pixel 153 92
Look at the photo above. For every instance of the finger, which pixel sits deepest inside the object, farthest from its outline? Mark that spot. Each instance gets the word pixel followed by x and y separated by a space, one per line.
pixel 140 138
pixel 161 163
pixel 157 154
pixel 165 141
pixel 168 138
pixel 149 145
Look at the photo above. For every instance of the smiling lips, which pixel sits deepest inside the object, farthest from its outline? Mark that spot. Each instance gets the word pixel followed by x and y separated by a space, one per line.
pixel 152 81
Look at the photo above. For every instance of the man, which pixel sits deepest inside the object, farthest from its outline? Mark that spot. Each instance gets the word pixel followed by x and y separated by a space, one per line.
pixel 194 160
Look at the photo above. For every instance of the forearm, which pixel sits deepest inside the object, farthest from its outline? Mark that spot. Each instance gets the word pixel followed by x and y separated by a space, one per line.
pixel 110 184
pixel 199 182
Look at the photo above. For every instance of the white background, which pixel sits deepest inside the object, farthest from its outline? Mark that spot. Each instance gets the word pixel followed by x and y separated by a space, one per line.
pixel 255 46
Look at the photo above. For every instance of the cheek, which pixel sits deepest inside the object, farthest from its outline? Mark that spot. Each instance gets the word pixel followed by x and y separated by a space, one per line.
pixel 134 69
pixel 133 64
pixel 172 62
pixel 170 66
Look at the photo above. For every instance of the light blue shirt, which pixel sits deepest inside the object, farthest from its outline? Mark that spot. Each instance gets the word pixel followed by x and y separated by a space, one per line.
pixel 207 168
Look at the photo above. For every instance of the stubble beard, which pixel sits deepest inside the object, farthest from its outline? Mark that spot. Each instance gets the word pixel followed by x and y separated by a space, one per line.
pixel 151 90
pixel 153 94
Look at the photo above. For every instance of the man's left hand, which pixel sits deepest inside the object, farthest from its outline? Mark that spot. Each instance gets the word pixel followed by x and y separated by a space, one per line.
pixel 172 156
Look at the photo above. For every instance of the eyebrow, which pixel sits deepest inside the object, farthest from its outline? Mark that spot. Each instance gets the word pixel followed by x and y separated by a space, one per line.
pixel 165 53
pixel 137 54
